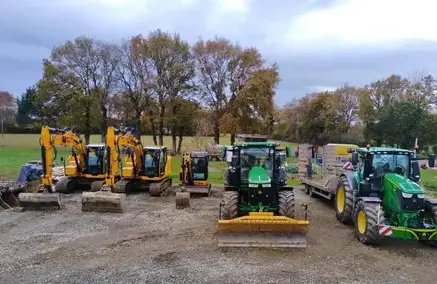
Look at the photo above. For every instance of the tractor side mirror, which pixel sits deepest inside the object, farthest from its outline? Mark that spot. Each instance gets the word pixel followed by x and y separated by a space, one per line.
pixel 354 159
pixel 415 171
pixel 62 159
pixel 288 151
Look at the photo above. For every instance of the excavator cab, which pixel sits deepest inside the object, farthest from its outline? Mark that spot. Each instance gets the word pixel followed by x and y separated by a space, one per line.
pixel 193 174
pixel 155 161
pixel 95 162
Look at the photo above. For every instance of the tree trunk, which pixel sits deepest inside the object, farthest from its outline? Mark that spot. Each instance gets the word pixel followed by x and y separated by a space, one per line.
pixel 161 124
pixel 181 136
pixel 173 140
pixel 232 138
pixel 152 124
pixel 104 113
pixel 87 130
pixel 216 132
pixel 138 122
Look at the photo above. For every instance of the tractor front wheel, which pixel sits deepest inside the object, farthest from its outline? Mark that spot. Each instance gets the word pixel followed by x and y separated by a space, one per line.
pixel 433 210
pixel 344 201
pixel 229 205
pixel 366 222
pixel 286 203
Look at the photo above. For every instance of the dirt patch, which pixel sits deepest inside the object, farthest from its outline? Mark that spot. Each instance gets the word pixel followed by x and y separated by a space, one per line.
pixel 153 242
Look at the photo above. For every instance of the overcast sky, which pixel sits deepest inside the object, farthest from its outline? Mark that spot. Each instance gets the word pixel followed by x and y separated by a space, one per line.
pixel 318 44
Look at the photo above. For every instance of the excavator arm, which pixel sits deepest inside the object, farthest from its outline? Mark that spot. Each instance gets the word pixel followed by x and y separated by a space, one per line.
pixel 52 137
pixel 127 139
pixel 112 156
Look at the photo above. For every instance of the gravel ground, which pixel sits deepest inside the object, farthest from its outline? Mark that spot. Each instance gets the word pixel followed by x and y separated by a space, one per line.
pixel 152 242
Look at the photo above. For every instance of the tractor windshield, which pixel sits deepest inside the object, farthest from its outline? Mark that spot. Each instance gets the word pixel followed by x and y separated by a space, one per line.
pixel 390 163
pixel 256 156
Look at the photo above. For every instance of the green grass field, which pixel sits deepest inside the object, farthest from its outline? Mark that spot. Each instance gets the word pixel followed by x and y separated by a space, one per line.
pixel 17 149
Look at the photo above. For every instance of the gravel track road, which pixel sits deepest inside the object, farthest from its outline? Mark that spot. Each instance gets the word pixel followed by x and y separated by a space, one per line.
pixel 152 242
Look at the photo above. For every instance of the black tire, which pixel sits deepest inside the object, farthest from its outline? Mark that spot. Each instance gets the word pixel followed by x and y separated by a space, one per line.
pixel 310 192
pixel 64 185
pixel 345 214
pixel 229 205
pixel 371 234
pixel 306 189
pixel 286 203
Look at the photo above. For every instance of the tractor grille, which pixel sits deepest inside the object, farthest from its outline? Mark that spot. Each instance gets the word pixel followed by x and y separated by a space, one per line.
pixel 411 204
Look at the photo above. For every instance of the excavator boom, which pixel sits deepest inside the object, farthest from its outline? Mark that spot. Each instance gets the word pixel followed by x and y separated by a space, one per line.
pixel 104 200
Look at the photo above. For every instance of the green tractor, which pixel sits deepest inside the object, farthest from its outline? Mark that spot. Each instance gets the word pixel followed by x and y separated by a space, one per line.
pixel 258 207
pixel 382 198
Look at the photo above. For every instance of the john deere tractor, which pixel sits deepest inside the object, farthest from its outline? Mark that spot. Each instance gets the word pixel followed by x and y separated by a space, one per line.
pixel 258 208
pixel 382 198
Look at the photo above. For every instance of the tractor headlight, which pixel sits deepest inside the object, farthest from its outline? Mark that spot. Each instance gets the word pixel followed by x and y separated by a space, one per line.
pixel 407 195
pixel 421 196
pixel 267 185
pixel 253 185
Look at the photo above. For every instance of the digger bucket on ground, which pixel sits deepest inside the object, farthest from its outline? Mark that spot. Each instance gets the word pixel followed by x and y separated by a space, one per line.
pixel 262 229
pixel 40 201
pixel 199 189
pixel 103 201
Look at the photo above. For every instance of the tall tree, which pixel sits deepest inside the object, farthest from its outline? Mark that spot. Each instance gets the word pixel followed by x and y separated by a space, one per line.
pixel 7 108
pixel 26 109
pixel 136 80
pixel 173 67
pixel 93 63
pixel 213 59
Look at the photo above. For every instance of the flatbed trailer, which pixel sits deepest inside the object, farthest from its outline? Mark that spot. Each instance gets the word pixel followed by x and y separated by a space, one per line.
pixel 334 162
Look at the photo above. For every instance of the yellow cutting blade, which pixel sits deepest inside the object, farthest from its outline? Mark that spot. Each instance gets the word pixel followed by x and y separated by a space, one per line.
pixel 262 229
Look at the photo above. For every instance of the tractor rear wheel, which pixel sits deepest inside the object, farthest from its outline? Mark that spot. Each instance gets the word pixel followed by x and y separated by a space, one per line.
pixel 344 201
pixel 286 203
pixel 366 222
pixel 229 205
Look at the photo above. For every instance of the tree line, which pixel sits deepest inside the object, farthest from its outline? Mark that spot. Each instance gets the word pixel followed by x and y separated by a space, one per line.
pixel 392 111
pixel 159 84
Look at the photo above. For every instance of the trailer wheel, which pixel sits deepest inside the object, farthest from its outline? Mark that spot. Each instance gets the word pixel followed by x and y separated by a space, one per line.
pixel 229 205
pixel 307 189
pixel 344 203
pixel 286 203
pixel 310 192
pixel 366 222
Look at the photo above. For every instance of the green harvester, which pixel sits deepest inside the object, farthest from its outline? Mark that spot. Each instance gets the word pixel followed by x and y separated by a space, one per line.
pixel 382 198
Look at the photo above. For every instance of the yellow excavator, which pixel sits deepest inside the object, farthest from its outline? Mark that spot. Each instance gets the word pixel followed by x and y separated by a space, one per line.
pixel 102 198
pixel 147 168
pixel 193 177
pixel 86 168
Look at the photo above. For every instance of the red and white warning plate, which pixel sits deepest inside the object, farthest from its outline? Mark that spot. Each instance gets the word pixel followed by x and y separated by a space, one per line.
pixel 385 230
pixel 348 166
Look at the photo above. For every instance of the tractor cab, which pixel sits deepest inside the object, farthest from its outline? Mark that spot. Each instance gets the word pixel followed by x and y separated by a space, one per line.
pixel 95 159
pixel 155 159
pixel 380 169
pixel 253 164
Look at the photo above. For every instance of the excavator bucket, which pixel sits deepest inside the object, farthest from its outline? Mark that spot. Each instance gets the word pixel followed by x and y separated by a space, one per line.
pixel 103 201
pixel 262 229
pixel 40 201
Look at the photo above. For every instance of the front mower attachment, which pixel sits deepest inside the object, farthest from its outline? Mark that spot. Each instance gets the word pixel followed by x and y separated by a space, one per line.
pixel 262 229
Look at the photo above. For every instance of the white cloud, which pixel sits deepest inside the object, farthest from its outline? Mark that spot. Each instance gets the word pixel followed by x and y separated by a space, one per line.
pixel 366 22
pixel 321 88
pixel 227 15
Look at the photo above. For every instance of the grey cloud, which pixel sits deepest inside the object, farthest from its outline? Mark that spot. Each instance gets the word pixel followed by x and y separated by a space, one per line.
pixel 44 23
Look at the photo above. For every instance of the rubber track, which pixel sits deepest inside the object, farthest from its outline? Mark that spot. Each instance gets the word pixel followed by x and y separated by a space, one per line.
pixel 62 185
pixel 286 203
pixel 372 235
pixel 230 205
pixel 159 189
pixel 349 206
